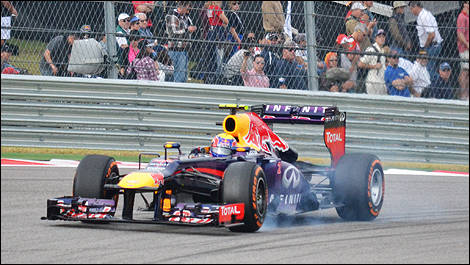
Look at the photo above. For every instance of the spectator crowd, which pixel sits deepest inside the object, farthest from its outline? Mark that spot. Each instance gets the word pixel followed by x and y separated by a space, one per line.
pixel 158 42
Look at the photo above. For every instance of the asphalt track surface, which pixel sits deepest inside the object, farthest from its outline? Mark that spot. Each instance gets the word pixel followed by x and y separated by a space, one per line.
pixel 424 219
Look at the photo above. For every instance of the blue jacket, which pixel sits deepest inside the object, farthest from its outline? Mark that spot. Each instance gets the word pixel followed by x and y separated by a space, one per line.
pixel 392 74
pixel 440 88
pixel 293 77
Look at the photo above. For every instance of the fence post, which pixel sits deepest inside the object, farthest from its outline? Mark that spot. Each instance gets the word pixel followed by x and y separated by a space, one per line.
pixel 110 30
pixel 309 8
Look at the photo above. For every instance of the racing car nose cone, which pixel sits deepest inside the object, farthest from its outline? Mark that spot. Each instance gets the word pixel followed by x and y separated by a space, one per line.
pixel 136 180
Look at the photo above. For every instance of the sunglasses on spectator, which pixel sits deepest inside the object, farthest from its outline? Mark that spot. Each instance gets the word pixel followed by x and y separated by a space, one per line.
pixel 143 21
pixel 236 3
pixel 127 20
pixel 259 62
pixel 290 49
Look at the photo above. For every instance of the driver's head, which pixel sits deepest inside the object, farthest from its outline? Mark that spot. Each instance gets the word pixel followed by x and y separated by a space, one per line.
pixel 222 144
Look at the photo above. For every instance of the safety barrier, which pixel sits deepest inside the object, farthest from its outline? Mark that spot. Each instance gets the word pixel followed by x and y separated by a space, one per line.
pixel 57 112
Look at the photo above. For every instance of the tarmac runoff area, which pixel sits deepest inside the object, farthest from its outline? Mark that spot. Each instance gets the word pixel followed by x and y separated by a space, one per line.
pixel 73 163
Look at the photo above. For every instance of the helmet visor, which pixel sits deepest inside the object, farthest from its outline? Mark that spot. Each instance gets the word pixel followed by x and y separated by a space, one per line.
pixel 221 151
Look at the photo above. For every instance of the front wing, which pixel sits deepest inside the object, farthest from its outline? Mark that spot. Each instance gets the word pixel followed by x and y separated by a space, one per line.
pixel 102 210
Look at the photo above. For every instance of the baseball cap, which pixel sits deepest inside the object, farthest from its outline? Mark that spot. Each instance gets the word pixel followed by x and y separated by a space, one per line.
pixel 397 4
pixel 134 19
pixel 444 66
pixel 342 39
pixel 358 5
pixel 85 29
pixel 380 31
pixel 122 16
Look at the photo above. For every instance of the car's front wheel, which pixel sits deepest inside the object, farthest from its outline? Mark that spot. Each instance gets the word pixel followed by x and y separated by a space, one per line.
pixel 245 182
pixel 92 173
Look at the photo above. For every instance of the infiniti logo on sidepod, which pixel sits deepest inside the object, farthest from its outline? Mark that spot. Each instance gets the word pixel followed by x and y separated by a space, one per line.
pixel 291 175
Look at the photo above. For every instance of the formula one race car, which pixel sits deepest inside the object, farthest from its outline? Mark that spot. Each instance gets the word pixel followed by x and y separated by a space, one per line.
pixel 258 175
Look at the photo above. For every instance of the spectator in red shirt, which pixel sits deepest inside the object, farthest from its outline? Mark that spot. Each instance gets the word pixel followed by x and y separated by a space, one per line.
pixel 462 45
pixel 217 24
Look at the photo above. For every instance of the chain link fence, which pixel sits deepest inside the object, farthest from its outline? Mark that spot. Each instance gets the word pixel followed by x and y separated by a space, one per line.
pixel 357 45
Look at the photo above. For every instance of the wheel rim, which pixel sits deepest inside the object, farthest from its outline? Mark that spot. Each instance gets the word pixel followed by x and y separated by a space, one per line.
pixel 261 196
pixel 376 187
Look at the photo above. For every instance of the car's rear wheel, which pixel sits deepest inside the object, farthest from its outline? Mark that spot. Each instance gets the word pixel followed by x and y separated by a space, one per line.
pixel 245 182
pixel 92 173
pixel 359 185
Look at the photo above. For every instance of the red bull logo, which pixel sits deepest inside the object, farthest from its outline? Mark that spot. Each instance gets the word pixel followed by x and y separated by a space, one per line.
pixel 260 136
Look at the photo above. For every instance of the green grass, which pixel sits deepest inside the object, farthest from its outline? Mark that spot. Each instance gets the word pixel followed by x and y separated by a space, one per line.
pixel 45 154
pixel 30 53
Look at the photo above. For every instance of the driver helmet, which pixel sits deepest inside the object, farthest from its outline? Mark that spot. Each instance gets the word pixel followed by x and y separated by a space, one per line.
pixel 222 144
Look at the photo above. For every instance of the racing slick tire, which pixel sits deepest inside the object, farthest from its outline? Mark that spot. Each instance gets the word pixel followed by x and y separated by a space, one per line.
pixel 245 182
pixel 360 185
pixel 91 175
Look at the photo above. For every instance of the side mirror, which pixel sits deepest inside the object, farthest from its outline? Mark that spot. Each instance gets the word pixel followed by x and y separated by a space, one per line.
pixel 171 145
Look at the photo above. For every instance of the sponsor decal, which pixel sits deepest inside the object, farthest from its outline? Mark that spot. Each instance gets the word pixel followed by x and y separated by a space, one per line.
pixel 287 199
pixel 260 136
pixel 158 164
pixel 291 177
pixel 340 117
pixel 227 211
pixel 158 178
pixel 333 137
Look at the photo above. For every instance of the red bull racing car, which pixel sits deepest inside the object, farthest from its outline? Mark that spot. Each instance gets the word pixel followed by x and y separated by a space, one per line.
pixel 256 176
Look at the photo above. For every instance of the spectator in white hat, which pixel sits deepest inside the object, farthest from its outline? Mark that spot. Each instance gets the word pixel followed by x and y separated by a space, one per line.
pixel 399 37
pixel 356 12
pixel 122 30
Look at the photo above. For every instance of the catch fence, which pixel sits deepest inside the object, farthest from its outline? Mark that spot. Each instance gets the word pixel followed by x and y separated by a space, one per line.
pixel 213 54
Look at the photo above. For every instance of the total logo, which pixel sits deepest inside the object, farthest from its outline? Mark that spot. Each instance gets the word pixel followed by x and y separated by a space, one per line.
pixel 230 210
pixel 333 137
pixel 290 177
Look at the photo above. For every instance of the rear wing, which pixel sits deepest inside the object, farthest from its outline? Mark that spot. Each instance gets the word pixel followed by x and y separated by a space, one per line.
pixel 294 114
pixel 334 121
